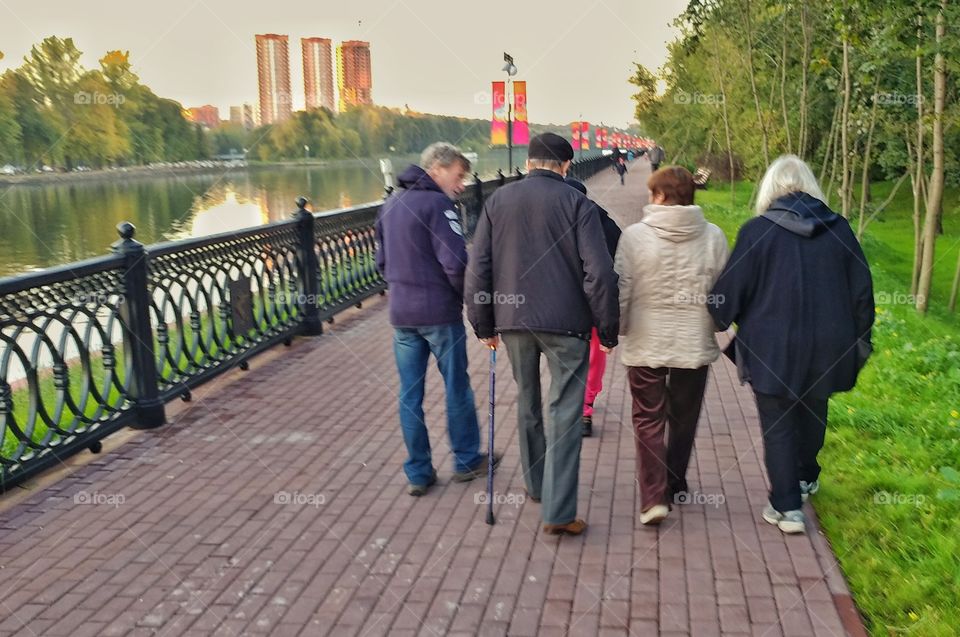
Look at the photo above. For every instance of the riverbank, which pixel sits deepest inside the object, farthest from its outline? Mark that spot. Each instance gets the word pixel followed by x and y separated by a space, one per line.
pixel 219 168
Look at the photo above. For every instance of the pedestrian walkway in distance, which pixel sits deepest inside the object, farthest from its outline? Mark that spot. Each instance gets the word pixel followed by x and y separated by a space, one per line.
pixel 275 504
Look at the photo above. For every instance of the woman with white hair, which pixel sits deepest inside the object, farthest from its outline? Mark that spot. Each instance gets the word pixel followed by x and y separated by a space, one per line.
pixel 799 289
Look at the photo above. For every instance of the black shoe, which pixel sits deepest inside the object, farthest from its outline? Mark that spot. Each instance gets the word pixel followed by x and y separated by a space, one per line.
pixel 478 471
pixel 587 426
pixel 417 490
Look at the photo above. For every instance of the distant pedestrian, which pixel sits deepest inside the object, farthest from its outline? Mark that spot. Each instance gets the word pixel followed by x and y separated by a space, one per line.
pixel 655 155
pixel 621 167
pixel 800 291
pixel 667 264
pixel 423 257
pixel 541 275
pixel 598 358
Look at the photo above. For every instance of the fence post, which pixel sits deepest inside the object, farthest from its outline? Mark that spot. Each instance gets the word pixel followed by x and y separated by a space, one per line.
pixel 307 259
pixel 137 332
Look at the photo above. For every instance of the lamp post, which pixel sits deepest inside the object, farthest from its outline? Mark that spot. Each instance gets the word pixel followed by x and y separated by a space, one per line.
pixel 510 69
pixel 580 124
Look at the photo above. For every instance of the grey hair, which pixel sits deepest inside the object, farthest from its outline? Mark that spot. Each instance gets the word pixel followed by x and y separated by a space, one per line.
pixel 788 173
pixel 546 164
pixel 442 154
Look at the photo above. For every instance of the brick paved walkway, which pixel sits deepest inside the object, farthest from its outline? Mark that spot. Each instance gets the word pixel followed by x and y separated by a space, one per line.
pixel 275 504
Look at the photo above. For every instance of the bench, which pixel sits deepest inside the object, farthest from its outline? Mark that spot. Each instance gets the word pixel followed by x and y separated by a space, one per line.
pixel 701 177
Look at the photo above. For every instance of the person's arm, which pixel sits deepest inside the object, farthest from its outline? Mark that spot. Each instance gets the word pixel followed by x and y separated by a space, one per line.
pixel 860 283
pixel 600 280
pixel 611 231
pixel 478 294
pixel 623 265
pixel 733 289
pixel 446 234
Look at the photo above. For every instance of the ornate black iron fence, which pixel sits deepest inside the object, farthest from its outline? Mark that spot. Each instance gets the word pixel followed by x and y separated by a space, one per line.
pixel 90 347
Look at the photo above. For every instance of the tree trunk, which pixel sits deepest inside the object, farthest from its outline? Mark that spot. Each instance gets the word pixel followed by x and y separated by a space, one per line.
pixel 955 288
pixel 723 112
pixel 753 84
pixel 783 81
pixel 865 175
pixel 805 27
pixel 844 125
pixel 831 140
pixel 935 196
pixel 919 176
pixel 836 159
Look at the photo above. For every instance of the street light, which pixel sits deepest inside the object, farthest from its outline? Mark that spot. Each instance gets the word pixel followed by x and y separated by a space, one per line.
pixel 510 69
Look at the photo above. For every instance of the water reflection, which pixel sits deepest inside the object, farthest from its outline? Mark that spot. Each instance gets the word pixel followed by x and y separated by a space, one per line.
pixel 42 226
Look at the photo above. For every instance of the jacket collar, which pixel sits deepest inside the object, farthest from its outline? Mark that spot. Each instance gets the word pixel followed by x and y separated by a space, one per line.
pixel 543 172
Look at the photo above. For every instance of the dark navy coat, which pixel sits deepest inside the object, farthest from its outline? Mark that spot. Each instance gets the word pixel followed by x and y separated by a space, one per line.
pixel 799 288
pixel 422 253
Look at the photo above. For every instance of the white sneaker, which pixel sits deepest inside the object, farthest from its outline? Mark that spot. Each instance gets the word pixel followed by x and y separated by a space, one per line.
pixel 788 522
pixel 655 514
pixel 807 489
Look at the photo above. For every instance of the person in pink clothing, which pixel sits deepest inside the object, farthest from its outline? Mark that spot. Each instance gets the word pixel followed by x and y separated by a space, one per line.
pixel 598 358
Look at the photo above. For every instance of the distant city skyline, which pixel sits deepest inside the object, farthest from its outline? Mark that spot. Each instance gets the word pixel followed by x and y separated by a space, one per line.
pixel 273 77
pixel 429 56
pixel 354 74
pixel 318 62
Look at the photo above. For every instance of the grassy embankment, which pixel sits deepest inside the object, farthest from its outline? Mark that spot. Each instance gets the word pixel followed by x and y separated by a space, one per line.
pixel 890 495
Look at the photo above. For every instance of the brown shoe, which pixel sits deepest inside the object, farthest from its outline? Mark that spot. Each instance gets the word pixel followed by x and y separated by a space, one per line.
pixel 576 527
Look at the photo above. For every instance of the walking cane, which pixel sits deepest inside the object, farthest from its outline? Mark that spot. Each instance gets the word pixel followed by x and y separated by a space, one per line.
pixel 493 398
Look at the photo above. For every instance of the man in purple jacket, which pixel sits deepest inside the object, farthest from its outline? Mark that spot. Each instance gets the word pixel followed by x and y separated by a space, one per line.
pixel 423 256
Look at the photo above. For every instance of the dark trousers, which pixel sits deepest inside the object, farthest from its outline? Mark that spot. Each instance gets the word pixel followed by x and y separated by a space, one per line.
pixel 550 448
pixel 664 396
pixel 793 432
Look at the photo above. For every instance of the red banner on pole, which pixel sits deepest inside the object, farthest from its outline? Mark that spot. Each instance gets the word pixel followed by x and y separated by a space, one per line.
pixel 585 135
pixel 521 129
pixel 498 123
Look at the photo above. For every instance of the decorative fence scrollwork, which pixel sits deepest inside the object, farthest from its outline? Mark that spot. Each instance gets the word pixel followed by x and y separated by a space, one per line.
pixel 91 347
pixel 64 377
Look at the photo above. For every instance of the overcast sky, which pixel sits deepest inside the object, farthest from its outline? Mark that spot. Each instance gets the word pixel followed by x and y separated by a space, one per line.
pixel 437 57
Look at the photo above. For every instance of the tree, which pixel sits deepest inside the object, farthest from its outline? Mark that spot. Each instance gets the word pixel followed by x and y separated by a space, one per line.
pixel 53 67
pixel 934 210
pixel 10 135
pixel 40 129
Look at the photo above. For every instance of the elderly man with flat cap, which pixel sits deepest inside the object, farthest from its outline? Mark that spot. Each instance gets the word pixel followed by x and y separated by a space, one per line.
pixel 540 276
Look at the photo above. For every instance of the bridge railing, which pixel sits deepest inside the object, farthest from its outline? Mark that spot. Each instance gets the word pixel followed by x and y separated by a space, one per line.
pixel 90 347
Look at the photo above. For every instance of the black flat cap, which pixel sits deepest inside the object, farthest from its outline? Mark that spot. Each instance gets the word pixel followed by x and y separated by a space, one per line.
pixel 550 146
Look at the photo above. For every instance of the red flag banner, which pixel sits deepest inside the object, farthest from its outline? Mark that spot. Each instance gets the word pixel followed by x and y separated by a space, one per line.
pixel 575 135
pixel 585 135
pixel 498 124
pixel 521 129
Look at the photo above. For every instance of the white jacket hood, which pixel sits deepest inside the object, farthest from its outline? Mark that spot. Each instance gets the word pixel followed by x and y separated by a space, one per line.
pixel 675 223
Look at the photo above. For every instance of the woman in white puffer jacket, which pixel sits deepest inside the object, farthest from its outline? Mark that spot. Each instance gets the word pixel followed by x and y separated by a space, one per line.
pixel 667 263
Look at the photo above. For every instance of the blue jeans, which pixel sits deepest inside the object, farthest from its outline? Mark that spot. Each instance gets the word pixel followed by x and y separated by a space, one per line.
pixel 413 346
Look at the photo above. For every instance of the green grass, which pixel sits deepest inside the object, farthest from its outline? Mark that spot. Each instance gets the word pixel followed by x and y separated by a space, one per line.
pixel 890 496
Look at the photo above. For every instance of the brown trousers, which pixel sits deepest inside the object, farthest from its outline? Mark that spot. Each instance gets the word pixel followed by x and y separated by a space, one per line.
pixel 662 396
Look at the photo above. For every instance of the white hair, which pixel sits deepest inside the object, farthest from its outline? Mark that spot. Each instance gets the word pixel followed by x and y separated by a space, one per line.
pixel 442 154
pixel 788 173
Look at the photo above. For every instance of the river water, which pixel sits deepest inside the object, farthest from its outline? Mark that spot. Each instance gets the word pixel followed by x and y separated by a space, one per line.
pixel 56 223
